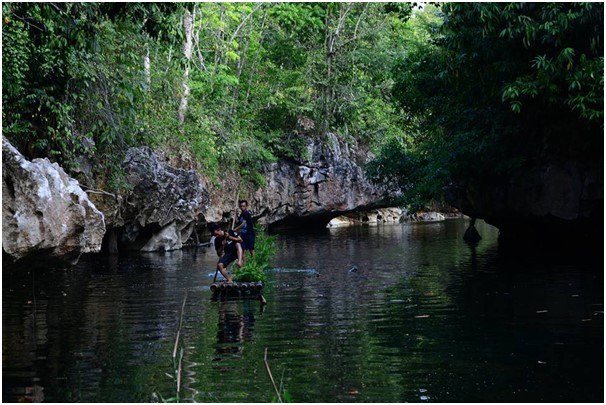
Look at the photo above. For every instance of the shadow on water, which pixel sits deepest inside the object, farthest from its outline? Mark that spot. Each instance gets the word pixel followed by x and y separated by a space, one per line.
pixel 406 313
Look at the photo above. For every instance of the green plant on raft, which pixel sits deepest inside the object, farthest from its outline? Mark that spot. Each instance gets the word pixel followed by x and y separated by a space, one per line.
pixel 254 267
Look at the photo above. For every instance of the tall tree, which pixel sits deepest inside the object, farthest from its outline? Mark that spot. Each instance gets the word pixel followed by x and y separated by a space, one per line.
pixel 187 48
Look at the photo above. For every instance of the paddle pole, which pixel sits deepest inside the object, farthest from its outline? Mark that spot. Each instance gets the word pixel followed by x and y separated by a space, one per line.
pixel 233 221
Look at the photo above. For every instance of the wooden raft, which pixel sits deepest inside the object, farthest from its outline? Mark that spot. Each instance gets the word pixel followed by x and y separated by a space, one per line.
pixel 237 289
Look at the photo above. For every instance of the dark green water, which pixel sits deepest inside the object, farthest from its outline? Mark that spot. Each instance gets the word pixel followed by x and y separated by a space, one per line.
pixel 422 318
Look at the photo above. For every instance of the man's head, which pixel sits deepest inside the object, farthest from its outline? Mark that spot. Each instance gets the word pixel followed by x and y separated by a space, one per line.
pixel 243 204
pixel 215 229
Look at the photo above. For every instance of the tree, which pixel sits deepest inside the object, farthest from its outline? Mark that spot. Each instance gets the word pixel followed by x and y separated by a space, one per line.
pixel 42 46
pixel 188 29
pixel 236 84
pixel 75 87
pixel 501 86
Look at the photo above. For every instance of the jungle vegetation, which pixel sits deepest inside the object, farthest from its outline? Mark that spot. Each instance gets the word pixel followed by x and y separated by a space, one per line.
pixel 439 92
pixel 497 87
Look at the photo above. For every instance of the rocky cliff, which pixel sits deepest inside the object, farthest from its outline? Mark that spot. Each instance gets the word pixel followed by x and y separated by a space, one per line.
pixel 312 192
pixel 164 204
pixel 45 212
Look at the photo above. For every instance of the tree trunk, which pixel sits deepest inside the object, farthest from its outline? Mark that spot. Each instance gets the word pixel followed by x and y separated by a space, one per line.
pixel 188 27
pixel 332 34
pixel 329 41
pixel 244 38
pixel 147 68
pixel 253 68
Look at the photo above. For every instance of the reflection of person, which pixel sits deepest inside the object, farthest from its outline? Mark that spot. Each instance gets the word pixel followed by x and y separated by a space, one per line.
pixel 228 247
pixel 234 327
pixel 246 227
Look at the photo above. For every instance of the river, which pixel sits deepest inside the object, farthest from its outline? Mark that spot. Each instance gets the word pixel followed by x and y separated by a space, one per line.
pixel 394 313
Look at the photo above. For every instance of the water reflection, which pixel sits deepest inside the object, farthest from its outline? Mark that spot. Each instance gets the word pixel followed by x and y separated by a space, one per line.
pixel 369 314
pixel 236 324
pixel 74 334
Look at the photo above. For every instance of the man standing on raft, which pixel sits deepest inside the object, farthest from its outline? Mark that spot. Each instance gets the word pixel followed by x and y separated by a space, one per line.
pixel 246 226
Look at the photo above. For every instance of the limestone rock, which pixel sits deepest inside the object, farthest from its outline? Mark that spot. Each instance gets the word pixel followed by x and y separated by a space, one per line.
pixel 330 183
pixel 343 221
pixel 109 204
pixel 164 205
pixel 44 211
pixel 430 216
pixel 392 215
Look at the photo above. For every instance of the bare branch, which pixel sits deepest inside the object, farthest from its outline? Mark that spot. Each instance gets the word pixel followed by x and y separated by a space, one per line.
pixel 257 6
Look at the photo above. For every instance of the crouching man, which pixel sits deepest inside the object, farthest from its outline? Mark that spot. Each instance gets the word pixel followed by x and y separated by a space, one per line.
pixel 228 245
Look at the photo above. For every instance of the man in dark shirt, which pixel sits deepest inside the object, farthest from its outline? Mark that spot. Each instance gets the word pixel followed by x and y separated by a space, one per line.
pixel 228 248
pixel 246 226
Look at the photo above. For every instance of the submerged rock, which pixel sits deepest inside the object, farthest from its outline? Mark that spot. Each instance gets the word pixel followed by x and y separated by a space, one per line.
pixel 471 234
pixel 44 211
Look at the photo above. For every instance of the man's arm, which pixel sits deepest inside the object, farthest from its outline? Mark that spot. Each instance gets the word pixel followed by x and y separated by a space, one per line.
pixel 246 219
pixel 219 245
pixel 240 226
pixel 235 236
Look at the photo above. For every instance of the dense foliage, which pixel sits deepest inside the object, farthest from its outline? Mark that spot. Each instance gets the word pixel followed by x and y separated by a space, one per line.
pixel 234 84
pixel 498 86
pixel 74 87
pixel 451 93
pixel 254 267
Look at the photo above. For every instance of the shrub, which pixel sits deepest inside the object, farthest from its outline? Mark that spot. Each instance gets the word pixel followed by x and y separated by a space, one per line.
pixel 254 267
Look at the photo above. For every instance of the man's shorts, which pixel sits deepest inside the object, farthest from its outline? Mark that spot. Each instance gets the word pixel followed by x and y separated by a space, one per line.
pixel 248 241
pixel 227 258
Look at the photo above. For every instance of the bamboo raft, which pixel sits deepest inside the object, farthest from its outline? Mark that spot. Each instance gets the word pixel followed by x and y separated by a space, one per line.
pixel 222 289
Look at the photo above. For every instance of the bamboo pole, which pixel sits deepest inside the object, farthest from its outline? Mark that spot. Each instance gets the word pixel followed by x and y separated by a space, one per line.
pixel 271 377
pixel 178 366
pixel 180 325
pixel 233 220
